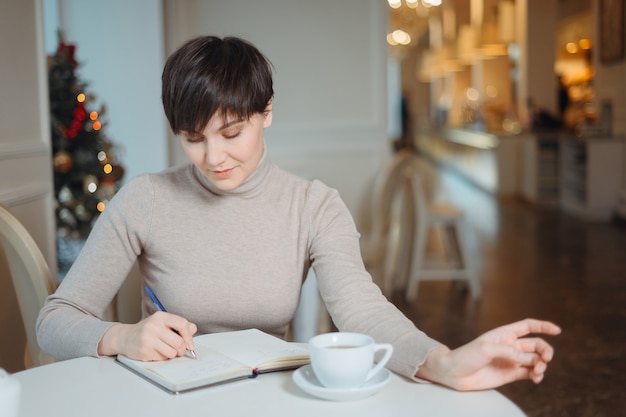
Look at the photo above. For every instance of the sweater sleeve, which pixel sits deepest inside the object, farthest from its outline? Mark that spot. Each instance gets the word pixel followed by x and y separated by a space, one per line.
pixel 70 323
pixel 353 300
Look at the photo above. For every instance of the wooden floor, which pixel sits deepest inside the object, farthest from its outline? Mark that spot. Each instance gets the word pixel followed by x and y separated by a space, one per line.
pixel 539 262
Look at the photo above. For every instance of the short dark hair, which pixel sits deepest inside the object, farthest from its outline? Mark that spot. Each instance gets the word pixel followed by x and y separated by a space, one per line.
pixel 207 75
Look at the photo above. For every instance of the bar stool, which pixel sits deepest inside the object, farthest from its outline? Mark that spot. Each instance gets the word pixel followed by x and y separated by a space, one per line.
pixel 457 264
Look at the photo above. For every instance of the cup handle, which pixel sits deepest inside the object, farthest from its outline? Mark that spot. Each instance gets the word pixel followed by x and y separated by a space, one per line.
pixel 381 363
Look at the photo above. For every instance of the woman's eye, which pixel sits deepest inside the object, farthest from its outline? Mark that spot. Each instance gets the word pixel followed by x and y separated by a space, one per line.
pixel 194 139
pixel 231 135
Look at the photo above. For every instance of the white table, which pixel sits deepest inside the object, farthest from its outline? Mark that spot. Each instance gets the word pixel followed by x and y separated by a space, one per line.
pixel 101 387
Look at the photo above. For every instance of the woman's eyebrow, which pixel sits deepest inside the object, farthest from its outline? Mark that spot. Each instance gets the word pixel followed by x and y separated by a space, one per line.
pixel 191 133
pixel 230 123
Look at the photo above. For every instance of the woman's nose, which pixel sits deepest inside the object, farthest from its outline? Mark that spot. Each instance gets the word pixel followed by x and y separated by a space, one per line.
pixel 215 152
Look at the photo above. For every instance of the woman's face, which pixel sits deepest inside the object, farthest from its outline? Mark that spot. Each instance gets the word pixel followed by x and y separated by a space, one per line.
pixel 228 150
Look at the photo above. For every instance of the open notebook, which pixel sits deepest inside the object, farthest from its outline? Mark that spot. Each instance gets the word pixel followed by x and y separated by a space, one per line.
pixel 222 357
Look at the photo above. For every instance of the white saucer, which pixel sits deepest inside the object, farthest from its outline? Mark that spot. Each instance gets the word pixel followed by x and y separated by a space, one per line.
pixel 305 378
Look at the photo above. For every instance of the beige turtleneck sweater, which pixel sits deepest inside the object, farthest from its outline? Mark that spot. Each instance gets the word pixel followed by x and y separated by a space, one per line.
pixel 226 260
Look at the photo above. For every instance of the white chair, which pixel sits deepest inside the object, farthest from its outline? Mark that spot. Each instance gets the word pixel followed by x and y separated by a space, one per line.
pixel 311 317
pixel 31 279
pixel 457 264
pixel 374 241
pixel 400 236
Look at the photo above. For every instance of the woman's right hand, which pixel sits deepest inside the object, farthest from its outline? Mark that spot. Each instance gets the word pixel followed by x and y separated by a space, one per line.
pixel 151 339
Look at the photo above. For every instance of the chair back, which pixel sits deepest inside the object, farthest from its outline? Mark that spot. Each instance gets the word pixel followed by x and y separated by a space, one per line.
pixel 381 203
pixel 386 182
pixel 31 279
pixel 399 242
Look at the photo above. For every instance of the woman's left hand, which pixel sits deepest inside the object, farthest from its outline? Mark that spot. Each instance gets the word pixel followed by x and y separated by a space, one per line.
pixel 495 358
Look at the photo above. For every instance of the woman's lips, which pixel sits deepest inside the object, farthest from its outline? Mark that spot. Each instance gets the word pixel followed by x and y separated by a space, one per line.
pixel 223 174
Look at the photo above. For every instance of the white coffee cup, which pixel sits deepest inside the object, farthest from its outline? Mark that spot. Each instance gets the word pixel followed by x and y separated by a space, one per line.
pixel 346 360
pixel 9 395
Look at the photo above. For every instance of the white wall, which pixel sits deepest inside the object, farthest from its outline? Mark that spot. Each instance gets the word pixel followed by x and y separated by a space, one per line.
pixel 119 45
pixel 25 160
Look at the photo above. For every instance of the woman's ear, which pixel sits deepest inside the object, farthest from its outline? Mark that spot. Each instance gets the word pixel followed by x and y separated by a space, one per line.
pixel 267 113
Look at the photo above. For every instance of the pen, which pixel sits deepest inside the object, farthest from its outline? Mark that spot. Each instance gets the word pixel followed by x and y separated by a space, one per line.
pixel 158 305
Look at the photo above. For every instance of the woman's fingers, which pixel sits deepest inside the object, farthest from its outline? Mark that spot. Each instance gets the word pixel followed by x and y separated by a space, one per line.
pixel 536 378
pixel 176 334
pixel 537 345
pixel 528 326
pixel 536 357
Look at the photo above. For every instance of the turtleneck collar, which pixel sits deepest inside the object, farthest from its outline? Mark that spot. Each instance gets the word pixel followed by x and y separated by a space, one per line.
pixel 251 186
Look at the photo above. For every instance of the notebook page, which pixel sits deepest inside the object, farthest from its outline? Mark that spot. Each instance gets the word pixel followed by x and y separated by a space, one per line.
pixel 252 347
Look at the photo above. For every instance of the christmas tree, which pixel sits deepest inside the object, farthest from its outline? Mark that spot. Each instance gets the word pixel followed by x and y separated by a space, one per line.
pixel 86 173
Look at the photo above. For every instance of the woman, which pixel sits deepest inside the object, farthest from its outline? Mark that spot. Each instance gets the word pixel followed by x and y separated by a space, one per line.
pixel 227 240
